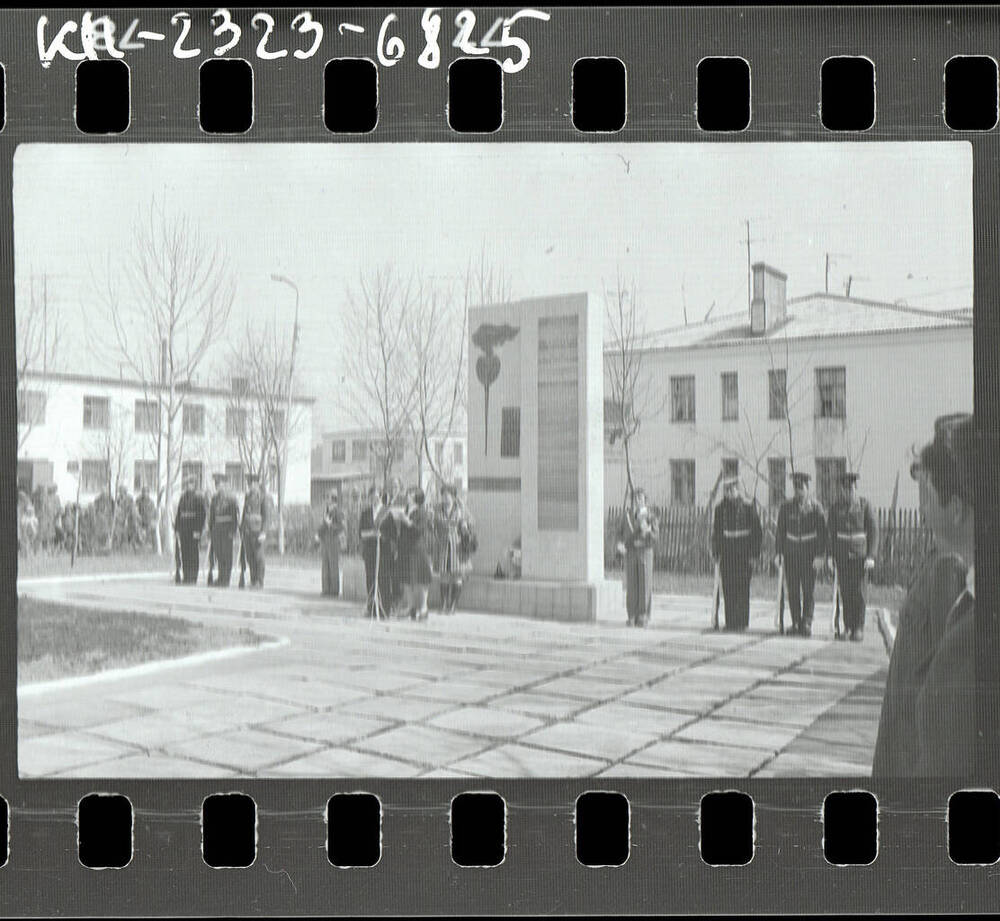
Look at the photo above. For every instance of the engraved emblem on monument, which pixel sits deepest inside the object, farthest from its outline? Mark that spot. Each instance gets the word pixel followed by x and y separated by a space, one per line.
pixel 487 337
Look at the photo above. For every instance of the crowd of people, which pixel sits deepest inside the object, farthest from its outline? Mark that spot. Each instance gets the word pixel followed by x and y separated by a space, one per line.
pixel 405 541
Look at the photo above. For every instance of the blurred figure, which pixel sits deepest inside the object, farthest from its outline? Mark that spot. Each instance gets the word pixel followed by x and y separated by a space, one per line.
pixel 146 510
pixel 417 531
pixel 928 722
pixel 27 523
pixel 637 539
pixel 253 531
pixel 189 522
pixel 376 576
pixel 736 542
pixel 328 537
pixel 223 519
pixel 457 543
pixel 393 555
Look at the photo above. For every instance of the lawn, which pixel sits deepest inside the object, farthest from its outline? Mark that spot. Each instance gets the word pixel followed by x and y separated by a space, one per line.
pixel 57 564
pixel 59 640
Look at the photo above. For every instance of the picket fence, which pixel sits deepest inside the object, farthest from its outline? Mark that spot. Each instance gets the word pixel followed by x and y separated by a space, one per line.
pixel 683 543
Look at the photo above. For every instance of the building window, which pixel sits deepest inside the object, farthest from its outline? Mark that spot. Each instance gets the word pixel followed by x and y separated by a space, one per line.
pixel 682 482
pixel 613 412
pixel 439 453
pixel 31 407
pixel 194 469
pixel 193 416
pixel 145 475
pixel 510 431
pixel 777 389
pixel 235 477
pixel 682 398
pixel 96 413
pixel 829 470
pixel 831 393
pixel 236 422
pixel 776 477
pixel 730 396
pixel 459 452
pixel 338 451
pixel 359 450
pixel 730 467
pixel 147 416
pixel 94 476
pixel 240 385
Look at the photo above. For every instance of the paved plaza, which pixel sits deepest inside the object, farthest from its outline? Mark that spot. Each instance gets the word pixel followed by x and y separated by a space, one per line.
pixel 467 695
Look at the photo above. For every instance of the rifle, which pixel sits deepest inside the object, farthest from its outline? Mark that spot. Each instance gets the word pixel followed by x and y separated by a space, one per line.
pixel 779 617
pixel 716 588
pixel 835 624
pixel 177 558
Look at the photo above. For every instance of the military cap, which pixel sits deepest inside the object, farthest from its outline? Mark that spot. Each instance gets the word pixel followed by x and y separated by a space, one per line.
pixel 848 479
pixel 801 478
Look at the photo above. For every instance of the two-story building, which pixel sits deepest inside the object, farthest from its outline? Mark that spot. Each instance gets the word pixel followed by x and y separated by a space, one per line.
pixel 821 383
pixel 353 458
pixel 88 432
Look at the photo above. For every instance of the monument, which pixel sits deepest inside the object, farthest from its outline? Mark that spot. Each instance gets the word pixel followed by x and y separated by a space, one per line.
pixel 536 457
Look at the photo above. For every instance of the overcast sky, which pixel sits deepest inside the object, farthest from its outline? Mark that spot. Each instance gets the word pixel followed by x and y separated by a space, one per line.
pixel 554 217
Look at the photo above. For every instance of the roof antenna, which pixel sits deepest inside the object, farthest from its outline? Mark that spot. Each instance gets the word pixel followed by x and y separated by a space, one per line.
pixel 684 302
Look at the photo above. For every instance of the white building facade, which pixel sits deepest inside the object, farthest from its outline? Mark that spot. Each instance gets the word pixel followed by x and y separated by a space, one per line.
pixel 821 384
pixel 352 458
pixel 86 431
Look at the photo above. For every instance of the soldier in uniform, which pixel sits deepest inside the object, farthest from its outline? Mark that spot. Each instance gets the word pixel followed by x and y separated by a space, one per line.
pixel 223 517
pixel 853 539
pixel 188 525
pixel 253 530
pixel 736 540
pixel 328 537
pixel 800 543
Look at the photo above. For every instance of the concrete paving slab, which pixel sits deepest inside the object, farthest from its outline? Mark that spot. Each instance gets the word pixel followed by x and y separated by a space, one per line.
pixel 342 762
pixel 486 721
pixel 236 711
pixel 516 760
pixel 326 728
pixel 74 710
pixel 639 771
pixel 151 766
pixel 159 729
pixel 162 694
pixel 770 710
pixel 427 745
pixel 769 737
pixel 699 758
pixel 544 706
pixel 459 692
pixel 632 718
pixel 28 729
pixel 628 674
pixel 585 739
pixel 795 765
pixel 677 698
pixel 397 709
pixel 63 751
pixel 585 689
pixel 246 751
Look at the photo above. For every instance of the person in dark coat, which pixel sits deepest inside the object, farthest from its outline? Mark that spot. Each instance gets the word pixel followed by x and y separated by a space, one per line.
pixel 188 525
pixel 637 538
pixel 417 528
pixel 376 576
pixel 456 545
pixel 223 519
pixel 928 723
pixel 853 539
pixel 800 543
pixel 393 555
pixel 736 542
pixel 328 537
pixel 146 509
pixel 253 530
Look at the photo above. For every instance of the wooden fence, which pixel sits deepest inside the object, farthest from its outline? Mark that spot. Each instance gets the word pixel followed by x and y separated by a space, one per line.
pixel 683 544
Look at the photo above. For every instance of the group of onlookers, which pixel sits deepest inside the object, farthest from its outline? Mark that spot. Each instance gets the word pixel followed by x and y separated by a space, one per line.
pixel 405 542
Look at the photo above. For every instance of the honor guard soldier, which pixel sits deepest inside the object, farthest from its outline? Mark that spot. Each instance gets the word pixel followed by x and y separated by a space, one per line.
pixel 223 518
pixel 736 541
pixel 188 525
pixel 853 539
pixel 253 530
pixel 800 543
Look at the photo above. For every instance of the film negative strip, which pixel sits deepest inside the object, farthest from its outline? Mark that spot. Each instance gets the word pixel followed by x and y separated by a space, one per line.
pixel 655 598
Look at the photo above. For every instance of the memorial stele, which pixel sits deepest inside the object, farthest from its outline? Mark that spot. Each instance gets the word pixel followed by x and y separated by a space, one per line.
pixel 536 457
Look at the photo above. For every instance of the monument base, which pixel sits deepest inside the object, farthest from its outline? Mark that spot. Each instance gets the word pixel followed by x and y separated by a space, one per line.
pixel 579 602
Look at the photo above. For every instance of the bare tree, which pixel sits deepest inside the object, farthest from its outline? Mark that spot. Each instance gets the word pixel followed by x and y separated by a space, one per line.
pixel 258 416
pixel 112 444
pixel 630 397
pixel 166 305
pixel 378 362
pixel 38 331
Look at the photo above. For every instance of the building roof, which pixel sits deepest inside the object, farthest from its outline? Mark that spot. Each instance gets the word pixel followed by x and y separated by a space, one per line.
pixel 811 316
pixel 127 383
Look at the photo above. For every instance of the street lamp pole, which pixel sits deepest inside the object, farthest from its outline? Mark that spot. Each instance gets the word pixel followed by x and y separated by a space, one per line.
pixel 283 473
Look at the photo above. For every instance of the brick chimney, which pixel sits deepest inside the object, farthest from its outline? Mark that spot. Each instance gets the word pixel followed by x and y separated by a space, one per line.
pixel 767 309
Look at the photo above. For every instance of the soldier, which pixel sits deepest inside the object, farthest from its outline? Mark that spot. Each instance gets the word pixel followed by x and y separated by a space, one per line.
pixel 800 543
pixel 146 509
pixel 223 517
pixel 189 523
pixel 329 537
pixel 369 520
pixel 253 530
pixel 853 539
pixel 393 556
pixel 736 540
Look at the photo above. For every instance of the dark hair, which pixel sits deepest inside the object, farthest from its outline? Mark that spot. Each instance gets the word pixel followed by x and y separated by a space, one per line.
pixel 949 460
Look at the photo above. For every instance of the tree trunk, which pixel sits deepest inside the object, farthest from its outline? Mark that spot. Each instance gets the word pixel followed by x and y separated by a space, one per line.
pixel 282 474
